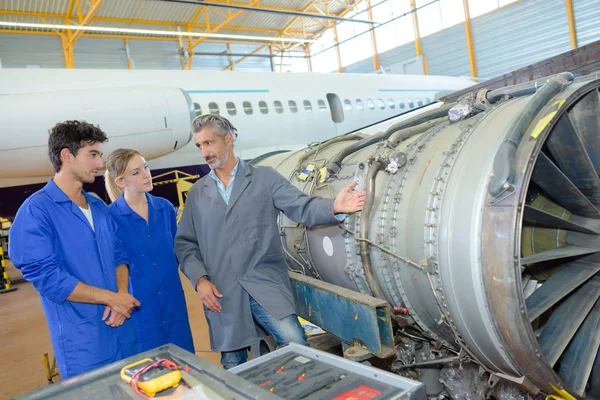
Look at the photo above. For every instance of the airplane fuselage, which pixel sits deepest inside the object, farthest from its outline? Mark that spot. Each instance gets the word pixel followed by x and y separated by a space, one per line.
pixel 271 111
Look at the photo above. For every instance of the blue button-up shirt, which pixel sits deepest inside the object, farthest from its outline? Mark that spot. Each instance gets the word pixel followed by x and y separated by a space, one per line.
pixel 225 193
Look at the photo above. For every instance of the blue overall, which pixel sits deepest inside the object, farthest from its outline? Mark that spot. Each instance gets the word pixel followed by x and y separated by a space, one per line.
pixel 54 246
pixel 154 275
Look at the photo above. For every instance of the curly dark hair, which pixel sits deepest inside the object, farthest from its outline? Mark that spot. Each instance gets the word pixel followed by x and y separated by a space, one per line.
pixel 72 135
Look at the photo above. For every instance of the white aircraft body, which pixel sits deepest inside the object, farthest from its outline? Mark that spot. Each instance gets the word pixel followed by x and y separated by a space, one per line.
pixel 151 110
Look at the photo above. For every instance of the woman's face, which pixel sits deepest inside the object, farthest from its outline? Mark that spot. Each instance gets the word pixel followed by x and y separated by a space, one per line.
pixel 137 177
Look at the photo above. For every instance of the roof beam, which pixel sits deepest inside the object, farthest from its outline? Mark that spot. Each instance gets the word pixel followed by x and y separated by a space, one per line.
pixel 182 24
pixel 193 19
pixel 252 54
pixel 272 10
pixel 345 11
pixel 79 13
pixel 221 25
pixel 86 20
pixel 130 37
pixel 69 11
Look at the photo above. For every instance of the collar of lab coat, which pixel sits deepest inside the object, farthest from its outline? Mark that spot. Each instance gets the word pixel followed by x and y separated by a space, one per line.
pixel 242 180
pixel 124 208
pixel 60 197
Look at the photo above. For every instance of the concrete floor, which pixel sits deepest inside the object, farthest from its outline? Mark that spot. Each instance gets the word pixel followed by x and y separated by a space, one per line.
pixel 24 336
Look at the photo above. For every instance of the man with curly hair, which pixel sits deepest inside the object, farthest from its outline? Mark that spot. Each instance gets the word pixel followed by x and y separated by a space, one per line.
pixel 64 241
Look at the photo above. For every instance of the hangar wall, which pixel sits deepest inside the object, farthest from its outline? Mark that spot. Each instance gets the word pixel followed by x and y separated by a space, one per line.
pixel 19 51
pixel 508 38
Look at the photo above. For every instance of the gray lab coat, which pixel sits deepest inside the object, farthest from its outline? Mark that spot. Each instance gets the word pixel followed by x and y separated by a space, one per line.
pixel 239 248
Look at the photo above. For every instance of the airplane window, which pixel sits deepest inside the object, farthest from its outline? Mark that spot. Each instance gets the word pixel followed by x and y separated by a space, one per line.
pixel 410 103
pixel 419 102
pixel 348 105
pixel 231 110
pixel 278 107
pixel 264 108
pixel 247 107
pixel 322 106
pixel 213 108
pixel 307 106
pixel 427 100
pixel 370 104
pixel 400 103
pixel 359 104
pixel 391 104
pixel 197 109
pixel 293 106
pixel 381 104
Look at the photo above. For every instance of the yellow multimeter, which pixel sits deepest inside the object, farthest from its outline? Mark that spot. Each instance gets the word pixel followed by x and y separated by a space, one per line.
pixel 154 380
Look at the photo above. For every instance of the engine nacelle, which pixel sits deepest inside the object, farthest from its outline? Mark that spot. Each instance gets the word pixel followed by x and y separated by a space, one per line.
pixel 481 225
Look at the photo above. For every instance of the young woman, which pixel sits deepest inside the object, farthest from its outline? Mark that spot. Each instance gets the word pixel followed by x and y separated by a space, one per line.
pixel 147 227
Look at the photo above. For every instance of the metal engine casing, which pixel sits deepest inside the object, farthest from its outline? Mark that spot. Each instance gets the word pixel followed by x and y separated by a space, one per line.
pixel 463 287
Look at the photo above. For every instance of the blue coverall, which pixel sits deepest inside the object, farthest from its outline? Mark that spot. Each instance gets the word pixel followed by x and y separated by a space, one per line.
pixel 54 246
pixel 154 275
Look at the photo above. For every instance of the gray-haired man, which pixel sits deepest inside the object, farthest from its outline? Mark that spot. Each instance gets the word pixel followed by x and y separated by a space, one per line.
pixel 228 243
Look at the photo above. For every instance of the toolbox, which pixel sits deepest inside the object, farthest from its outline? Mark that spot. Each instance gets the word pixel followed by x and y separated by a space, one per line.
pixel 300 372
pixel 200 379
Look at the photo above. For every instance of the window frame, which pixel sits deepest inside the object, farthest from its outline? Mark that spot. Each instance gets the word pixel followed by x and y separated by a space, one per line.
pixel 247 106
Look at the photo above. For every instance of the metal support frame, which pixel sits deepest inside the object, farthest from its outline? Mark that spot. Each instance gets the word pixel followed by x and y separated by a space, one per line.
pixel 469 35
pixel 166 24
pixel 271 59
pixel 419 50
pixel 280 11
pixel 74 15
pixel 188 28
pixel 4 279
pixel 51 370
pixel 69 37
pixel 357 319
pixel 308 59
pixel 571 20
pixel 253 54
pixel 231 63
pixel 244 55
pixel 337 49
pixel 222 24
pixel 129 62
pixel 183 183
pixel 103 36
pixel 373 39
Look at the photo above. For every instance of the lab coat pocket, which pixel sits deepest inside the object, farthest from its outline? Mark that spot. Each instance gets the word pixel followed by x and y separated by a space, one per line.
pixel 128 338
pixel 88 345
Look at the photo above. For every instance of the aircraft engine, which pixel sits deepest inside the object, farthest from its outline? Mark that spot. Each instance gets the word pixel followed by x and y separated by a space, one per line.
pixel 481 229
pixel 153 120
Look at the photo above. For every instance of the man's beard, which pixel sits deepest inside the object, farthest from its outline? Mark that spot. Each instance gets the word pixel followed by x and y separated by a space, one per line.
pixel 84 178
pixel 220 161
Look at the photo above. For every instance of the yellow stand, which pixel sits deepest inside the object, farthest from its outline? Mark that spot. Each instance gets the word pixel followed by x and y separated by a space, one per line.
pixel 51 371
pixel 4 280
pixel 182 181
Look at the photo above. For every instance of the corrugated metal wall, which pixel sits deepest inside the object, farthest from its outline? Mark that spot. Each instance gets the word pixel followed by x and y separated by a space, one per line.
pixel 19 51
pixel 587 20
pixel 447 52
pixel 100 53
pixel 506 39
pixel 511 37
pixel 519 34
